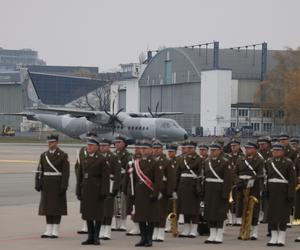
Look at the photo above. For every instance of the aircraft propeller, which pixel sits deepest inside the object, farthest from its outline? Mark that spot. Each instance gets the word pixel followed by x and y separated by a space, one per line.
pixel 154 115
pixel 113 117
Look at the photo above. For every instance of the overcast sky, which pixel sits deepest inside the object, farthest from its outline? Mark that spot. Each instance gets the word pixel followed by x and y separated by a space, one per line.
pixel 105 33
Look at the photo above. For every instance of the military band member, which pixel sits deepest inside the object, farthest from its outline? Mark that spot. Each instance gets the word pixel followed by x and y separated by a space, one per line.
pixel 249 170
pixel 189 190
pixel 92 189
pixel 114 166
pixel 80 157
pixel 52 180
pixel 233 156
pixel 172 156
pixel 217 176
pixel 288 150
pixel 119 222
pixel 168 189
pixel 147 182
pixel 264 147
pixel 281 192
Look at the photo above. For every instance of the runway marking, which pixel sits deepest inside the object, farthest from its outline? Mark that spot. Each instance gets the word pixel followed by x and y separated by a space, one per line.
pixel 17 161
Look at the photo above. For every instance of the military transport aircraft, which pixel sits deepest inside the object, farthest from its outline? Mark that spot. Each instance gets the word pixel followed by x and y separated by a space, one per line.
pixel 76 123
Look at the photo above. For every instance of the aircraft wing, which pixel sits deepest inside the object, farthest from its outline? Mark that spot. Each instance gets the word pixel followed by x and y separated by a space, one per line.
pixel 28 115
pixel 157 114
pixel 72 112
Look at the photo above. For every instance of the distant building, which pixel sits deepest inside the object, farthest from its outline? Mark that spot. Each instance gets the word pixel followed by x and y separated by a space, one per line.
pixel 214 88
pixel 10 60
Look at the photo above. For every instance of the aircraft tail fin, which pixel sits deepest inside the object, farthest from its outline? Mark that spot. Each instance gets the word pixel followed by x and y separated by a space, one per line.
pixel 30 96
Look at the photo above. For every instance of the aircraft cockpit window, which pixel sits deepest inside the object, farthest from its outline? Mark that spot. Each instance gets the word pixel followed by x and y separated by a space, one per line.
pixel 166 125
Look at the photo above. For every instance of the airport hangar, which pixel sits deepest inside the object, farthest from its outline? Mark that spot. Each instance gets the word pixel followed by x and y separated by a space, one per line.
pixel 214 88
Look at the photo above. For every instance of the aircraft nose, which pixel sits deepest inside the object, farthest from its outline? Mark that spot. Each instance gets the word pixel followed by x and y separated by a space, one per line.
pixel 185 136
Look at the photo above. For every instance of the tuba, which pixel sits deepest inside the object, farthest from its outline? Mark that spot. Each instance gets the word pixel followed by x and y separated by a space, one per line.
pixel 172 217
pixel 249 202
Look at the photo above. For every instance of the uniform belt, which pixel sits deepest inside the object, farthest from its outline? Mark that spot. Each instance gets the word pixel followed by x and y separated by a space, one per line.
pixel 214 180
pixel 276 180
pixel 123 171
pixel 245 177
pixel 112 176
pixel 51 174
pixel 188 175
pixel 165 178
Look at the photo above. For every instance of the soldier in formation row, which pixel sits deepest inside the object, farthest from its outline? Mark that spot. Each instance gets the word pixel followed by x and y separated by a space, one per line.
pixel 208 183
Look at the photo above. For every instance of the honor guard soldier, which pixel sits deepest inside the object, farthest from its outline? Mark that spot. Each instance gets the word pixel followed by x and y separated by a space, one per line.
pixel 168 189
pixel 92 189
pixel 135 229
pixel 146 179
pixel 189 190
pixel 294 142
pixel 249 173
pixel 288 151
pixel 81 155
pixel 114 166
pixel 202 223
pixel 52 180
pixel 281 192
pixel 217 177
pixel 264 150
pixel 119 222
pixel 233 156
pixel 172 156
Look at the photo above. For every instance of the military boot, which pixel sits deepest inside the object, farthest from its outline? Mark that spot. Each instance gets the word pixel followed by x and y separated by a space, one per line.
pixel 143 240
pixel 91 234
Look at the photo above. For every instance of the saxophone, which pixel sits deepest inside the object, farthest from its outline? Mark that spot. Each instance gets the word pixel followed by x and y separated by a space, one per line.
pixel 172 217
pixel 248 207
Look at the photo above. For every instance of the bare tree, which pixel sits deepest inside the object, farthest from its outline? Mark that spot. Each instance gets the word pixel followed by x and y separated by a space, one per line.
pixel 99 99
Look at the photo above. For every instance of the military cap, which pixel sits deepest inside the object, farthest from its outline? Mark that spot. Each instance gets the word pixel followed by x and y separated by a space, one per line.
pixel 183 144
pixel 171 147
pixel 91 134
pixel 104 141
pixel 277 146
pixel 294 141
pixel 219 141
pixel 202 146
pixel 250 144
pixel 157 144
pixel 215 145
pixel 52 138
pixel 120 138
pixel 283 136
pixel 137 143
pixel 92 140
pixel 264 139
pixel 190 143
pixel 235 142
pixel 145 144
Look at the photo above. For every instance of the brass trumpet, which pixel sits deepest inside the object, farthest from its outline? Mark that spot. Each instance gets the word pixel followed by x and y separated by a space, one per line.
pixel 172 217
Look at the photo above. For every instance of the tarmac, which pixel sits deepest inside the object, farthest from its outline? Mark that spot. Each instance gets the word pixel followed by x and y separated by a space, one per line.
pixel 21 227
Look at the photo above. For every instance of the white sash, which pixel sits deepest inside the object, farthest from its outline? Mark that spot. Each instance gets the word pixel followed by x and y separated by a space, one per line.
pixel 213 171
pixel 250 167
pixel 191 171
pixel 278 172
pixel 50 164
